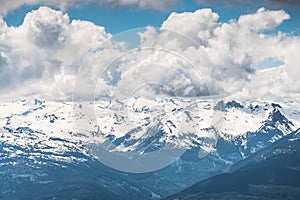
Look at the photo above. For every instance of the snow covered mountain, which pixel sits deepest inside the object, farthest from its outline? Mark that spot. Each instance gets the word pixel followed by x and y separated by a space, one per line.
pixel 271 173
pixel 37 135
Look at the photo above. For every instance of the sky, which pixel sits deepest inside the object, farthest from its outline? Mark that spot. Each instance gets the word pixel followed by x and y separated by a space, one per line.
pixel 119 48
pixel 122 18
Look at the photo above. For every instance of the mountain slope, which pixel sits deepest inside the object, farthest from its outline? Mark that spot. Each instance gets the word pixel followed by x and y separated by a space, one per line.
pixel 272 173
pixel 28 173
pixel 227 149
pixel 48 144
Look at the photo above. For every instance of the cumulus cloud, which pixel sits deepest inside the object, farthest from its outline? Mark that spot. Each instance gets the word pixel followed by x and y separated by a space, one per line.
pixel 47 28
pixel 191 54
pixel 7 5
pixel 231 46
pixel 263 20
pixel 45 52
pixel 205 56
pixel 198 25
pixel 226 53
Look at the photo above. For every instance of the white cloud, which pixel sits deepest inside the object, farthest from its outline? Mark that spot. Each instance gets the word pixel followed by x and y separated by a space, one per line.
pixel 268 84
pixel 47 28
pixel 191 54
pixel 198 25
pixel 45 52
pixel 233 48
pixel 263 20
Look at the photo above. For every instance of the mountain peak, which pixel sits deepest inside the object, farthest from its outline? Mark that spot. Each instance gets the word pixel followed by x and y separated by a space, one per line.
pixel 222 106
pixel 277 117
pixel 233 104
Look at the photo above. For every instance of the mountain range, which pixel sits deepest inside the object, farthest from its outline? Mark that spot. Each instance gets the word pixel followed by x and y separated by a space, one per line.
pixel 271 173
pixel 54 150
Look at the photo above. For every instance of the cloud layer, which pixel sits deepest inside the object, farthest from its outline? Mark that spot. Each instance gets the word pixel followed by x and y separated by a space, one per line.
pixel 7 5
pixel 191 54
pixel 269 3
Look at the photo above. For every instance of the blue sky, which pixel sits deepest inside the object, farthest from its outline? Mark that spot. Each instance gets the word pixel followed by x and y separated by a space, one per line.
pixel 123 18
